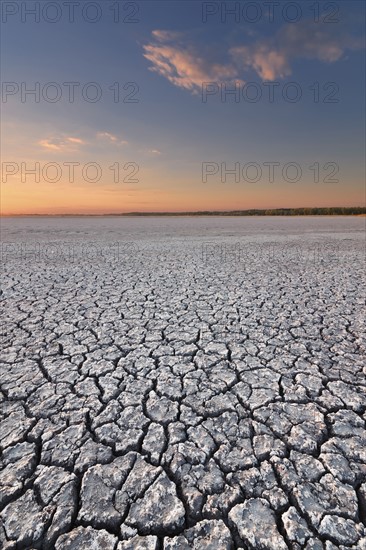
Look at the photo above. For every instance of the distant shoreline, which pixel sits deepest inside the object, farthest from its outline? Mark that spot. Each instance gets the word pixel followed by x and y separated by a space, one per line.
pixel 332 211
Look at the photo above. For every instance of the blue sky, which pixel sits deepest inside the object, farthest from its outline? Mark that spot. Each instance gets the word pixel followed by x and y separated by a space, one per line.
pixel 170 131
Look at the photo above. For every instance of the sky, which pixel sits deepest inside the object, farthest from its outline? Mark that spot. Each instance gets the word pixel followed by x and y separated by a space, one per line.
pixel 181 105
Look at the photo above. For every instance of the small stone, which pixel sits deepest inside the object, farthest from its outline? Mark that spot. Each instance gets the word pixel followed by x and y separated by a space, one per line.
pixel 86 538
pixel 342 530
pixel 24 521
pixel 256 525
pixel 161 409
pixel 159 510
pixel 295 526
pixel 139 543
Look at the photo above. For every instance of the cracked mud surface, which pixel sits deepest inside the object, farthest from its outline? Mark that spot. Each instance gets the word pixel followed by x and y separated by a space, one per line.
pixel 174 399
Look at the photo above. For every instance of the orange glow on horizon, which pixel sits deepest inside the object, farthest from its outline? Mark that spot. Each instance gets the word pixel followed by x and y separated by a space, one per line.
pixel 44 199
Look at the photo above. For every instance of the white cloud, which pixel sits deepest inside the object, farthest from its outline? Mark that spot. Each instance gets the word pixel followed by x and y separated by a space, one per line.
pixel 107 135
pixel 111 138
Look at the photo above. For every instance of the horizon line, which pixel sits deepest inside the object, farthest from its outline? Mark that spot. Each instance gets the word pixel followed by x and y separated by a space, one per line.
pixel 300 211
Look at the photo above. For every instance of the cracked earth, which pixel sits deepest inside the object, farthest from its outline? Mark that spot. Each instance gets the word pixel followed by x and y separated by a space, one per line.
pixel 174 398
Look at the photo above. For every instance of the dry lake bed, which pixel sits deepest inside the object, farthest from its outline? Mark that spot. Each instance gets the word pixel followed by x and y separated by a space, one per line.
pixel 176 383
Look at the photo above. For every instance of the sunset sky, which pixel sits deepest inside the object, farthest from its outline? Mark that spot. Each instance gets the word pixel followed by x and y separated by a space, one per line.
pixel 162 139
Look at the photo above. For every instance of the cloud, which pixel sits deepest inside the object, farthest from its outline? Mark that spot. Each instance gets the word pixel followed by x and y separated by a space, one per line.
pixel 76 140
pixel 47 144
pixel 154 151
pixel 268 63
pixel 107 135
pixel 325 42
pixel 271 58
pixel 111 138
pixel 184 66
pixel 61 144
pixel 166 36
pixel 67 144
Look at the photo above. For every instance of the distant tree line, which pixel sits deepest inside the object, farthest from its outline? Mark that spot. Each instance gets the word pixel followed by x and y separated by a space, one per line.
pixel 330 211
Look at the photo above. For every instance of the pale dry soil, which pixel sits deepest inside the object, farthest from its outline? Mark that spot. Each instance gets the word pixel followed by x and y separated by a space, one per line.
pixel 184 395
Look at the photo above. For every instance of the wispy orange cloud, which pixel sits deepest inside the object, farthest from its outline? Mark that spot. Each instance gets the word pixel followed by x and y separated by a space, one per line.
pixel 268 63
pixel 67 144
pixel 184 66
pixel 76 140
pixel 63 144
pixel 47 144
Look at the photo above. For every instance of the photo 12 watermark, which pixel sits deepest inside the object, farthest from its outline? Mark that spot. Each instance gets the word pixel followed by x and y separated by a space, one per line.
pixel 270 92
pixel 70 172
pixel 116 11
pixel 269 172
pixel 69 92
pixel 269 11
pixel 67 252
pixel 276 254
